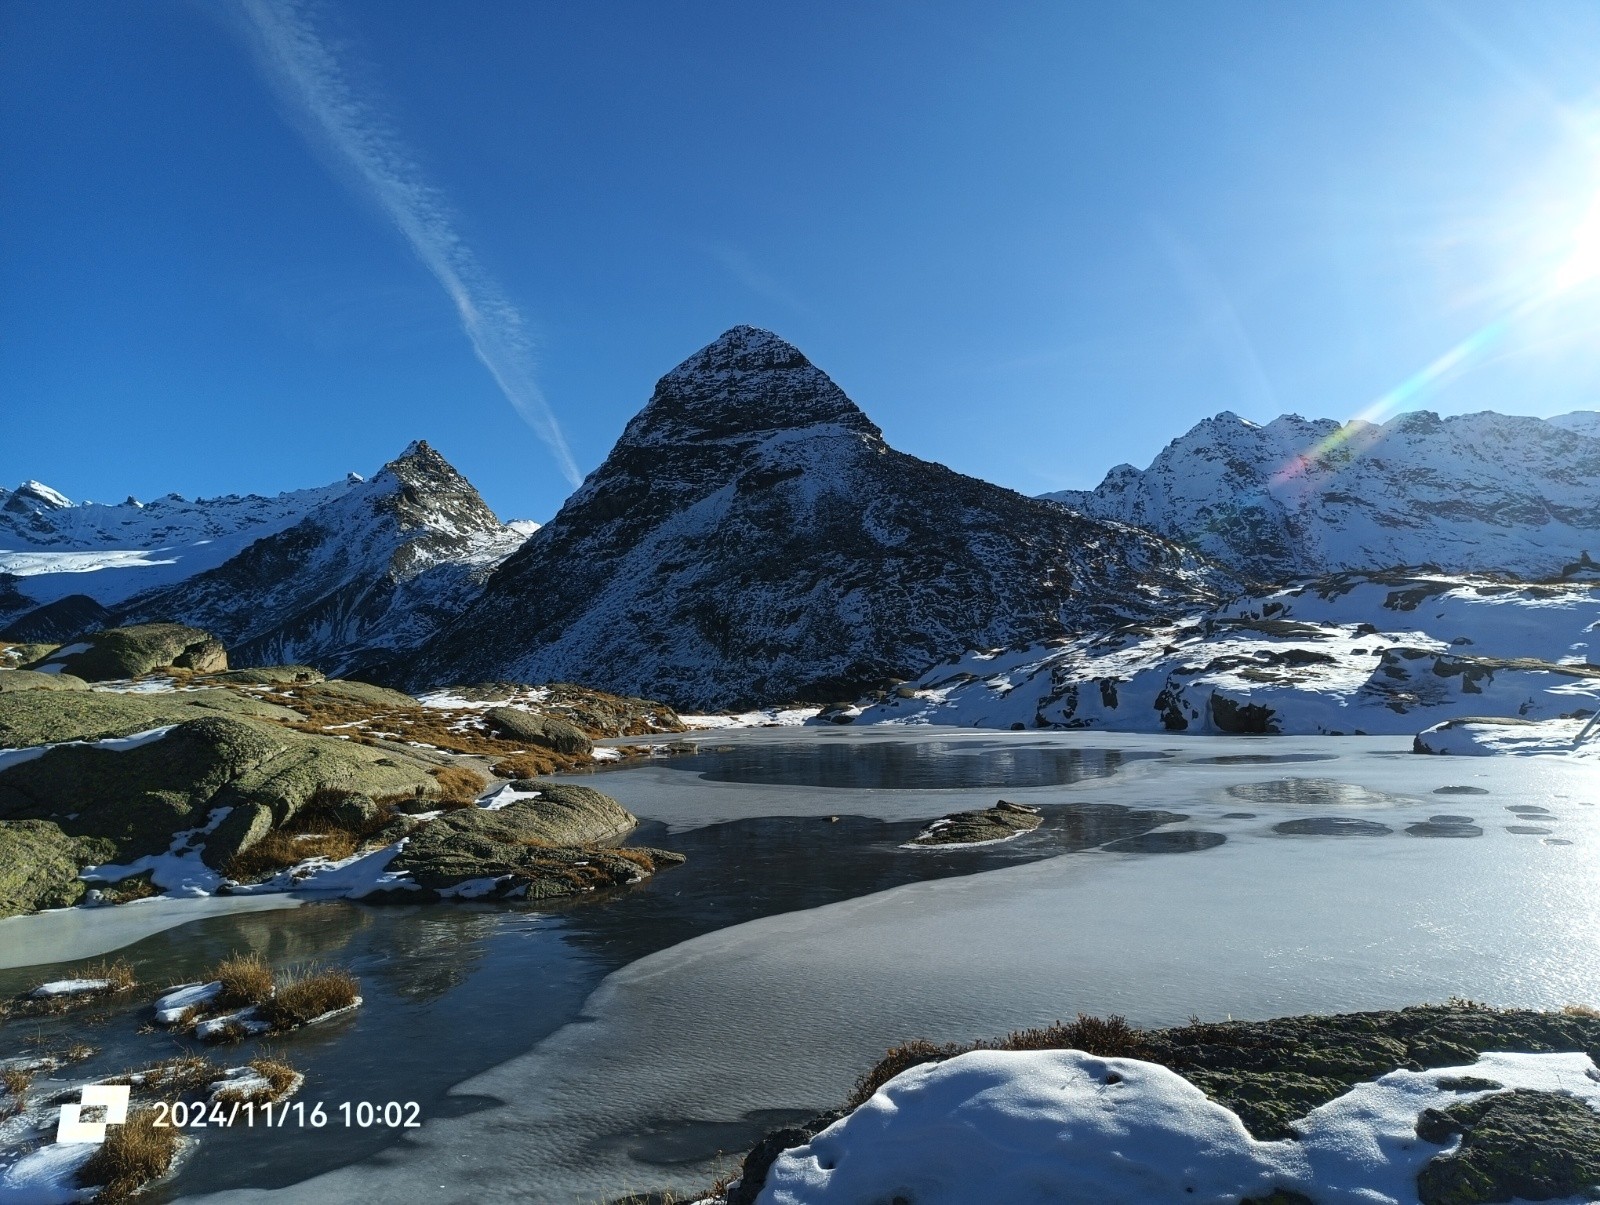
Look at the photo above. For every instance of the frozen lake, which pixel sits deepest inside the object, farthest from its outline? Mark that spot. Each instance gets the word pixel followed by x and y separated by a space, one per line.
pixel 579 1053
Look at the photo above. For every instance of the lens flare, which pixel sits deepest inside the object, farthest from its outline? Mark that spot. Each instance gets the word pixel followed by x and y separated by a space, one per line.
pixel 1579 267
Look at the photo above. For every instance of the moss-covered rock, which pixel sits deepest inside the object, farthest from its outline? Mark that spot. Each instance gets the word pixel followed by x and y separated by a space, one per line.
pixel 1522 1145
pixel 36 717
pixel 27 679
pixel 534 849
pixel 132 651
pixel 976 828
pixel 39 865
pixel 14 656
pixel 545 731
pixel 140 798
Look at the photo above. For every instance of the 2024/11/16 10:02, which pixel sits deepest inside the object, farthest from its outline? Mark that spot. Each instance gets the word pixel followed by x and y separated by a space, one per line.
pixel 365 1114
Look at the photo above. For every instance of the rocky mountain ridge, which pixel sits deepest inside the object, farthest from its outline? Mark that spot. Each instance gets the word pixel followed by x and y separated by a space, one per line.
pixel 752 538
pixel 1296 497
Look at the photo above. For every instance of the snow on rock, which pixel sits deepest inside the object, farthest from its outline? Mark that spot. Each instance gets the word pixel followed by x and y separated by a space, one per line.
pixel 1064 1126
pixel 223 1026
pixel 47 1175
pixel 766 717
pixel 1479 736
pixel 248 1084
pixel 171 1007
pixel 1299 497
pixel 1349 653
pixel 59 988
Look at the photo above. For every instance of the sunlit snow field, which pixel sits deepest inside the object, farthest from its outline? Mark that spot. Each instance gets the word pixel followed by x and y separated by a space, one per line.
pixel 699 1037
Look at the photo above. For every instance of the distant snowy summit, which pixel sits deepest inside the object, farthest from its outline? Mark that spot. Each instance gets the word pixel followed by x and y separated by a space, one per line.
pixel 1300 497
pixel 345 576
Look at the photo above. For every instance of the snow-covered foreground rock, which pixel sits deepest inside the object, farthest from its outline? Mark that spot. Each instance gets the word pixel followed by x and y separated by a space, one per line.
pixel 1352 653
pixel 1060 1127
pixel 1299 497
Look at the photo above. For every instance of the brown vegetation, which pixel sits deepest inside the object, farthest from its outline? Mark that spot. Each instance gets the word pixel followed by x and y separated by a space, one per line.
pixel 459 785
pixel 16 1081
pixel 132 1155
pixel 315 831
pixel 246 980
pixel 279 1074
pixel 309 996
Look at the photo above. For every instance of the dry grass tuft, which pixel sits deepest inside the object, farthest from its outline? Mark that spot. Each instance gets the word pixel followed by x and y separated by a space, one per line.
pixel 279 1073
pixel 132 1156
pixel 1580 1010
pixel 246 979
pixel 16 1082
pixel 310 996
pixel 527 765
pixel 457 784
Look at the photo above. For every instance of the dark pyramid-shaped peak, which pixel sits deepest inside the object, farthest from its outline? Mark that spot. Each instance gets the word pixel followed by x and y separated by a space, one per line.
pixel 748 381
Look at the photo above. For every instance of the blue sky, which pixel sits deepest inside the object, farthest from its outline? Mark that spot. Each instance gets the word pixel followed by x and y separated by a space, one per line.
pixel 1030 240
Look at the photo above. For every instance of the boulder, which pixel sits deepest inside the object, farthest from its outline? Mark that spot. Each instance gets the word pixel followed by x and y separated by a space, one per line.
pixel 534 848
pixel 130 652
pixel 27 679
pixel 975 828
pixel 39 865
pixel 239 830
pixel 140 797
pixel 545 731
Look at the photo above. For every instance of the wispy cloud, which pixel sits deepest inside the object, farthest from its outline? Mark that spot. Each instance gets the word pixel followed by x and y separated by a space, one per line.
pixel 1218 318
pixel 364 148
pixel 755 278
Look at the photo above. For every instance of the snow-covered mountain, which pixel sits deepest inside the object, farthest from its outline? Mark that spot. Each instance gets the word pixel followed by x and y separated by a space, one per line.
pixel 752 539
pixel 1297 497
pixel 1349 653
pixel 369 573
pixel 51 547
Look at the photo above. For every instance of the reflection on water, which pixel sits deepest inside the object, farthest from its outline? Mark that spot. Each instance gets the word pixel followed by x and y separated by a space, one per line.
pixel 906 765
pixel 1313 792
pixel 453 990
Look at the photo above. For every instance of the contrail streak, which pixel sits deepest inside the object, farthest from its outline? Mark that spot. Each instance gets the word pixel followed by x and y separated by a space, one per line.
pixel 307 76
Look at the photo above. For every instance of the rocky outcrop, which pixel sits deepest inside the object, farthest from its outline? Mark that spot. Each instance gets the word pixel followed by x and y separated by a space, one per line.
pixel 534 848
pixel 1296 498
pixel 39 865
pixel 546 731
pixel 58 621
pixel 1002 821
pixel 32 717
pixel 141 797
pixel 1520 1145
pixel 23 679
pixel 131 652
pixel 751 539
